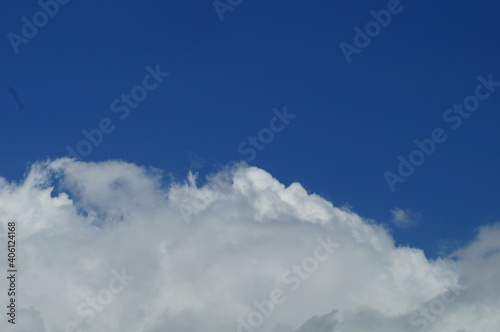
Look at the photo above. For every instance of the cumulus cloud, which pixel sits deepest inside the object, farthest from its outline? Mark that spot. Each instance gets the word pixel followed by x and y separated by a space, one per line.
pixel 112 246
pixel 404 218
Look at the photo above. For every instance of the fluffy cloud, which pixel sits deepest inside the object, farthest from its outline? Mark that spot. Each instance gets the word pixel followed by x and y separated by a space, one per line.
pixel 112 246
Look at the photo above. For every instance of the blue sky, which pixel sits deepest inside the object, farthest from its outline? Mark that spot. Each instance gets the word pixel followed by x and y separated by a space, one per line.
pixel 226 77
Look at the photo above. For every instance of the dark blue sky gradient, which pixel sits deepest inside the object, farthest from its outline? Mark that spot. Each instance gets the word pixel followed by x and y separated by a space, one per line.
pixel 353 120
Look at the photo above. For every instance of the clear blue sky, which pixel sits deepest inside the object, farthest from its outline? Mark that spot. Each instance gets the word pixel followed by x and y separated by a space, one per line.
pixel 353 119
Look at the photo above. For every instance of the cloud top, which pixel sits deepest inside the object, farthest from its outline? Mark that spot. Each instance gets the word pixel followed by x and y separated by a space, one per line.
pixel 112 246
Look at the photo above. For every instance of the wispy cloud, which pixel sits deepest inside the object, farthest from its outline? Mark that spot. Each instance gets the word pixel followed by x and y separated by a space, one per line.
pixel 404 218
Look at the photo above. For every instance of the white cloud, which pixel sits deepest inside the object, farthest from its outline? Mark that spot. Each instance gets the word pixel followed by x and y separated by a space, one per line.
pixel 404 218
pixel 202 270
